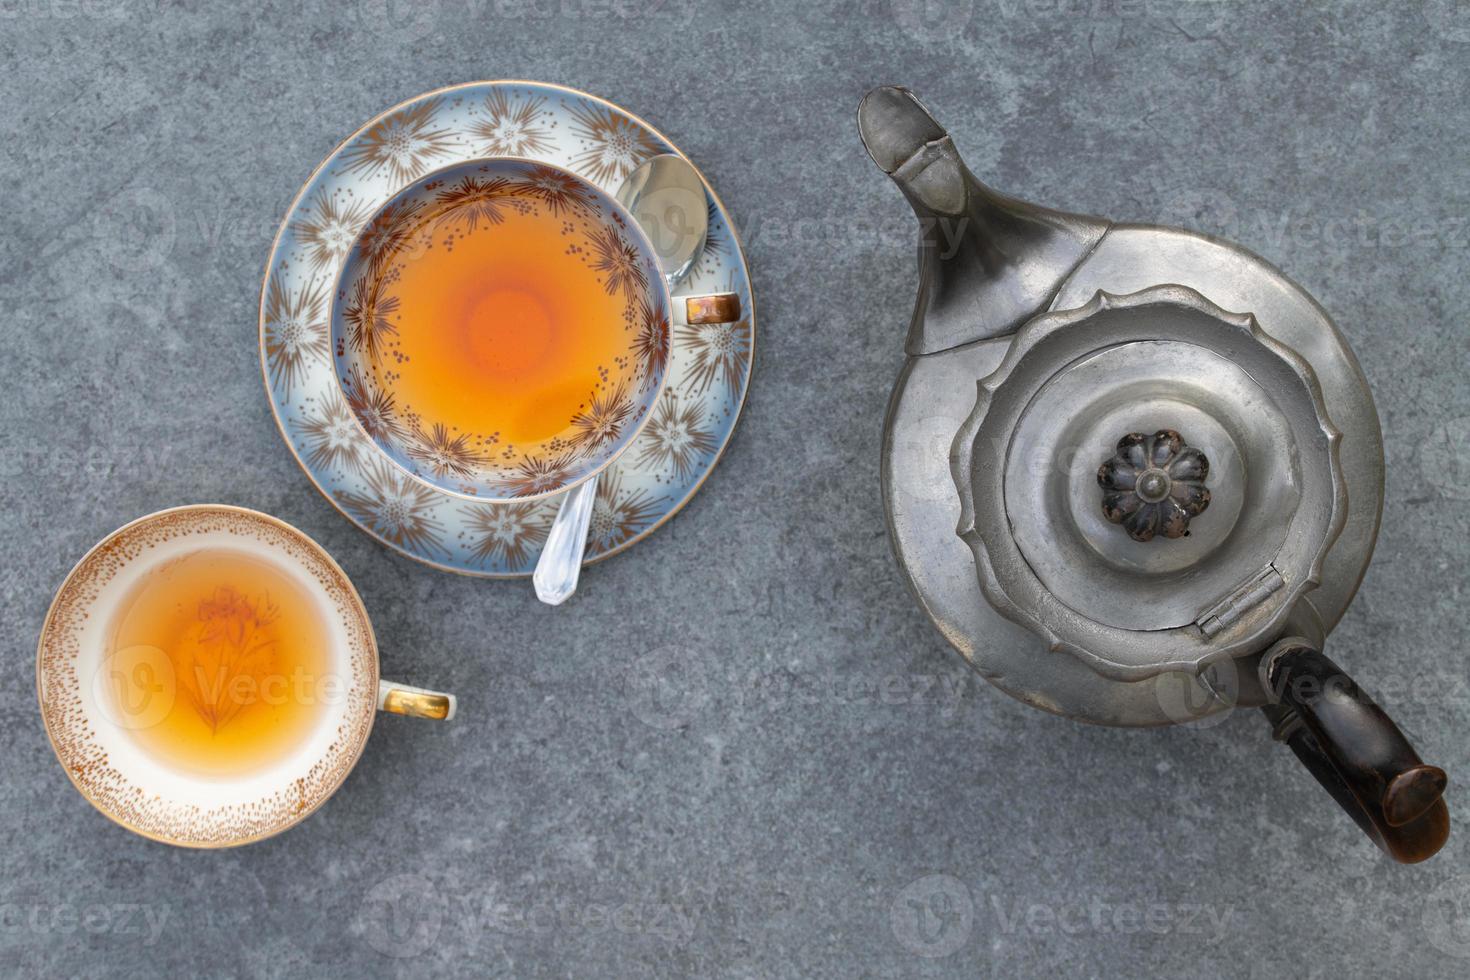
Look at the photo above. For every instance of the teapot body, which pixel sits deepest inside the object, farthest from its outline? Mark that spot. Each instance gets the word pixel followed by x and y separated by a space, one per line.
pixel 935 392
pixel 1037 339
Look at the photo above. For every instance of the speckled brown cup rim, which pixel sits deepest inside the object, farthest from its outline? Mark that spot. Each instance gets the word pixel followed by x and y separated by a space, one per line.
pixel 85 772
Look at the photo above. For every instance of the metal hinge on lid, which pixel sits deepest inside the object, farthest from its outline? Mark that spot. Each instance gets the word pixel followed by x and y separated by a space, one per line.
pixel 1231 608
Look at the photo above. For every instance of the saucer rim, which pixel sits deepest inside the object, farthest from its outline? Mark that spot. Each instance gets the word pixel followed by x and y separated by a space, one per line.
pixel 284 227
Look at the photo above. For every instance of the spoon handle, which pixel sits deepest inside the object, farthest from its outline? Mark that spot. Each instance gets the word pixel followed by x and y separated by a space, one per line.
pixel 560 564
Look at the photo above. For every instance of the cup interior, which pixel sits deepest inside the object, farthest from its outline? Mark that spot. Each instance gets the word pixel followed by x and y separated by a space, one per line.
pixel 432 366
pixel 107 699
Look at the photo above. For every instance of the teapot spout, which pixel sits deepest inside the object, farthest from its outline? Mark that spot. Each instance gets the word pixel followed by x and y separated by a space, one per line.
pixel 987 262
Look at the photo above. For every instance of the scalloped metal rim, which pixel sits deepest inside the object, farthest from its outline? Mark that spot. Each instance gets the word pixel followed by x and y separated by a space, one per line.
pixel 1010 585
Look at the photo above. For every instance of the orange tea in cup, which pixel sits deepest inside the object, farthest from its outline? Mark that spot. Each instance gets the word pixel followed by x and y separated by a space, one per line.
pixel 241 648
pixel 208 676
pixel 501 328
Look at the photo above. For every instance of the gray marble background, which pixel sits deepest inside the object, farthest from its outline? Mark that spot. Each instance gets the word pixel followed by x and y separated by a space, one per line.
pixel 741 751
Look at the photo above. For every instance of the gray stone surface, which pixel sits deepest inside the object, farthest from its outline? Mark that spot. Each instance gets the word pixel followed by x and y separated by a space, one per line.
pixel 741 751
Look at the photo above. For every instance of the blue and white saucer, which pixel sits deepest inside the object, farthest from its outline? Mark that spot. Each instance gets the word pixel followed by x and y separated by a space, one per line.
pixel 709 365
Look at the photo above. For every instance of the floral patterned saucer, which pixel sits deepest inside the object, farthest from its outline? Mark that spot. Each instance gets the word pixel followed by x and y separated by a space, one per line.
pixel 709 364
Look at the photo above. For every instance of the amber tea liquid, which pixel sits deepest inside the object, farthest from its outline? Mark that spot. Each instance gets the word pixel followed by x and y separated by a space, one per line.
pixel 503 329
pixel 237 651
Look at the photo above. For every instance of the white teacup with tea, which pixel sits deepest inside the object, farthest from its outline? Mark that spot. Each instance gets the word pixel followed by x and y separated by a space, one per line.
pixel 208 676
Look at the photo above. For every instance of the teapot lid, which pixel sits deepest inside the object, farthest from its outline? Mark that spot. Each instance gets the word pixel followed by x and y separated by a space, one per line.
pixel 1149 482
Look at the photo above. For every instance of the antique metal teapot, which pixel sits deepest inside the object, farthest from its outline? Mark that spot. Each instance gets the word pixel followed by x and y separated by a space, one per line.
pixel 1152 450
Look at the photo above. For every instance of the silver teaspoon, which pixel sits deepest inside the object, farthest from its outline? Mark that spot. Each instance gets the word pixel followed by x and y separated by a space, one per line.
pixel 666 197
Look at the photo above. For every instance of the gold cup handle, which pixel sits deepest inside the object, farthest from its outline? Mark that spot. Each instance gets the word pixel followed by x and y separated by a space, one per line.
pixel 711 308
pixel 415 701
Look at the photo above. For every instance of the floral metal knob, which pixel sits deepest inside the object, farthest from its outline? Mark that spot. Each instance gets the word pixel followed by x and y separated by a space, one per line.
pixel 1154 483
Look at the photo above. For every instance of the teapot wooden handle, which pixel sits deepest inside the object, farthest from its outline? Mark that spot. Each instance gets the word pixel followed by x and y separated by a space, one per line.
pixel 1355 751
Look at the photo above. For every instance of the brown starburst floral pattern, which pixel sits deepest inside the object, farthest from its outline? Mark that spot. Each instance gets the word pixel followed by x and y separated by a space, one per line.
pixel 481 197
pixel 538 474
pixel 675 438
pixel 558 190
pixel 405 143
pixel 444 454
pixel 618 260
pixel 720 353
pixel 474 199
pixel 716 245
pixel 328 230
pixel 651 345
pixel 507 533
pixel 618 515
pixel 707 366
pixel 369 318
pixel 390 232
pixel 373 408
pixel 295 332
pixel 111 780
pixel 603 420
pixel 612 144
pixel 509 127
pixel 396 507
pixel 331 434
